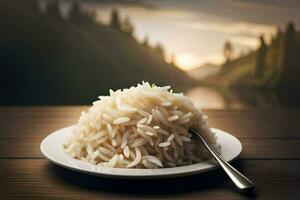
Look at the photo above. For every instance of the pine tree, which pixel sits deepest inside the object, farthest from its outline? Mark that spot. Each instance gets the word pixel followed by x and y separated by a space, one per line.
pixel 290 37
pixel 172 59
pixel 261 59
pixel 75 13
pixel 159 49
pixel 91 17
pixel 290 69
pixel 127 26
pixel 115 21
pixel 146 42
pixel 228 51
pixel 278 32
pixel 53 10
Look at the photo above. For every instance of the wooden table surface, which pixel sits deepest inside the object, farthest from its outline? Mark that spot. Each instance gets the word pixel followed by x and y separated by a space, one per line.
pixel 270 138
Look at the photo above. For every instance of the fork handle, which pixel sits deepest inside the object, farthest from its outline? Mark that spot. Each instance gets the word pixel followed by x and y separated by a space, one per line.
pixel 241 182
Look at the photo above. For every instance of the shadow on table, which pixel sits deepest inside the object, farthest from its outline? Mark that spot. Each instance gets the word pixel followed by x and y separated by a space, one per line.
pixel 207 182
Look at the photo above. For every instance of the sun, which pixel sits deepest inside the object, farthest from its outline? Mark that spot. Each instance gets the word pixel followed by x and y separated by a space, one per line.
pixel 186 61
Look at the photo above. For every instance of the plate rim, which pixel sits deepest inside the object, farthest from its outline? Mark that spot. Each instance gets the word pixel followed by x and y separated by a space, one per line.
pixel 212 164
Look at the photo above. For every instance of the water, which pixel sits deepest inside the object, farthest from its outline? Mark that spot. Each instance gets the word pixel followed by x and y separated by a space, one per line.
pixel 204 97
pixel 220 98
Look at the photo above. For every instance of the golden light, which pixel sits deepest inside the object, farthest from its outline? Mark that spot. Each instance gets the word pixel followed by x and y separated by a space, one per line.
pixel 186 61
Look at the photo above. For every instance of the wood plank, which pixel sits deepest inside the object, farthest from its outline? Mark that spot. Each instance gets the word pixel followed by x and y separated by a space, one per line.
pixel 270 148
pixel 252 148
pixel 37 122
pixel 270 138
pixel 38 179
pixel 257 123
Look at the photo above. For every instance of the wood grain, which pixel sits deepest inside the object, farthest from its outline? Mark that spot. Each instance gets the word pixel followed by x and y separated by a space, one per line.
pixel 270 138
pixel 34 122
pixel 35 178
pixel 252 148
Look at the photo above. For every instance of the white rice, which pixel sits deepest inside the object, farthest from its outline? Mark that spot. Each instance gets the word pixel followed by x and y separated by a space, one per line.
pixel 140 127
pixel 121 120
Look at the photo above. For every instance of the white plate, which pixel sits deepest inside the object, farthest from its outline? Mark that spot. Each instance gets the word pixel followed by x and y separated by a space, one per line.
pixel 52 148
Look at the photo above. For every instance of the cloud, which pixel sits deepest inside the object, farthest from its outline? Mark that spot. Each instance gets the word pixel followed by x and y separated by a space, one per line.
pixel 249 42
pixel 271 4
pixel 234 28
pixel 132 3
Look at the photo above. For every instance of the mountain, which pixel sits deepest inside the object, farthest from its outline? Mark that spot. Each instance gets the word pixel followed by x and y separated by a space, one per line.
pixel 49 60
pixel 273 65
pixel 204 71
pixel 270 72
pixel 235 71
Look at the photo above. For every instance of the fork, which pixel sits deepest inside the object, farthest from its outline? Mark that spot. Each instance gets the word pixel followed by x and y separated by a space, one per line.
pixel 240 181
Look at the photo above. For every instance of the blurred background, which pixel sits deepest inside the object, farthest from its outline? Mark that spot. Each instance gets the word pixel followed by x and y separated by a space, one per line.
pixel 221 53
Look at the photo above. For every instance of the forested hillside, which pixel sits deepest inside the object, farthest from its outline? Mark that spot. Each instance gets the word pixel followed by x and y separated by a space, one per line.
pixel 50 59
pixel 269 74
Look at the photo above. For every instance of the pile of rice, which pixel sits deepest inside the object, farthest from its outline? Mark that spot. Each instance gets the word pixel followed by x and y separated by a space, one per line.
pixel 140 127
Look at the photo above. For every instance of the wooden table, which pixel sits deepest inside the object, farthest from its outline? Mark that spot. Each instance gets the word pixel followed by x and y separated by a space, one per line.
pixel 271 140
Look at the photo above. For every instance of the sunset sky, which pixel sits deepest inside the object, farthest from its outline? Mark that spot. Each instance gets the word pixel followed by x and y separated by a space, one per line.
pixel 195 31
